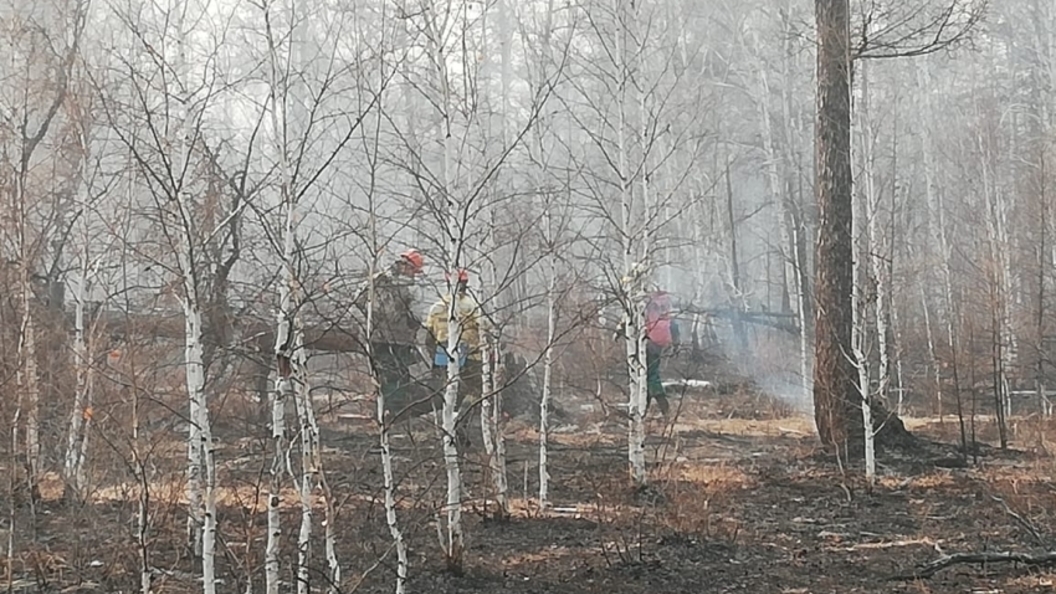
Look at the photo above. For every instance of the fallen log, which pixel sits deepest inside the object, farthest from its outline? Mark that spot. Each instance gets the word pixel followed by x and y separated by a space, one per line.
pixel 258 335
pixel 929 569
pixel 254 339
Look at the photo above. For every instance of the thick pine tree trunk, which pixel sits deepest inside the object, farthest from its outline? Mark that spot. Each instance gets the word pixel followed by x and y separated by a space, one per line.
pixel 836 397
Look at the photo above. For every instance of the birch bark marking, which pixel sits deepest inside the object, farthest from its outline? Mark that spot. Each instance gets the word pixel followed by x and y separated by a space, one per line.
pixel 548 359
pixel 874 261
pixel 862 275
pixel 488 428
pixel 389 483
pixel 498 470
pixel 284 335
pixel 453 539
pixel 290 353
pixel 80 414
pixel 549 238
pixel 634 340
pixel 200 448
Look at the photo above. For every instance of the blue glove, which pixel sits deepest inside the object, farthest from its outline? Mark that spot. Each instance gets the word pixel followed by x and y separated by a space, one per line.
pixel 440 357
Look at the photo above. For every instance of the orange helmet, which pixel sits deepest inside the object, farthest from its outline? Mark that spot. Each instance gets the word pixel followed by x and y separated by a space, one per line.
pixel 413 258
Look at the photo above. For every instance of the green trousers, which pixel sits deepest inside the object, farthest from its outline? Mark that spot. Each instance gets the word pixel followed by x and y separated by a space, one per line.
pixel 653 382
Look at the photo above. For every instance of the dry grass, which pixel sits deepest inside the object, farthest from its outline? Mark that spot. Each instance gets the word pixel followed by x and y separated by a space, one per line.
pixel 794 426
pixel 1040 583
pixel 712 477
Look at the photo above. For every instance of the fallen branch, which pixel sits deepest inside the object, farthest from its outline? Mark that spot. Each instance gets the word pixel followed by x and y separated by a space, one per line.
pixel 887 545
pixel 929 569
pixel 1024 522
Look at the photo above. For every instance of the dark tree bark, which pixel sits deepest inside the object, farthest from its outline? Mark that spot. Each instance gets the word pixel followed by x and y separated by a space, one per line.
pixel 836 397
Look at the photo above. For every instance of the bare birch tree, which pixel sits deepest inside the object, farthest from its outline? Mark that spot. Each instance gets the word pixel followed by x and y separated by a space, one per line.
pixel 47 42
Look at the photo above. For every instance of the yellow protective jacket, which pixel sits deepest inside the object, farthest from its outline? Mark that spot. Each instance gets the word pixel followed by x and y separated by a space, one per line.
pixel 470 319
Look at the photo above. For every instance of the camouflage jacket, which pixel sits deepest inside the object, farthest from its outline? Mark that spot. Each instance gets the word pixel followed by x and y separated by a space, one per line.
pixel 394 317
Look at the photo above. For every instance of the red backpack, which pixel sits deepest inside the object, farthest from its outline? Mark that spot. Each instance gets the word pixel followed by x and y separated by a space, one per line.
pixel 658 319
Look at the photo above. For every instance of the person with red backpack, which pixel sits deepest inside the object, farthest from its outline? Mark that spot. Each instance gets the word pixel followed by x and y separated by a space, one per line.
pixel 661 332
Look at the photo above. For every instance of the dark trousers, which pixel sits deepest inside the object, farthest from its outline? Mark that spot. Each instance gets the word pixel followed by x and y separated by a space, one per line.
pixel 654 385
pixel 403 393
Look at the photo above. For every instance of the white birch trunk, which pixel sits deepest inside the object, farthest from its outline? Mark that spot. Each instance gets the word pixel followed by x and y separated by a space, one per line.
pixel 498 460
pixel 649 209
pixel 862 273
pixel 193 352
pixel 930 334
pixel 80 417
pixel 548 363
pixel 201 466
pixel 452 542
pixel 453 537
pixel 489 426
pixel 390 499
pixel 997 234
pixel 773 175
pixel 76 436
pixel 386 449
pixel 292 361
pixel 491 394
pixel 636 361
pixel 937 222
pixel 491 420
pixel 196 386
pixel 31 385
pixel 862 364
pixel 493 354
pixel 878 266
pixel 27 380
pixel 333 565
pixel 143 503
pixel 806 325
pixel 146 579
pixel 384 441
pixel 284 338
pixel 798 224
pixel 487 420
pixel 897 348
pixel 309 433
pixel 551 296
pixel 488 430
pixel 278 400
pixel 876 269
pixel 634 337
pixel 499 470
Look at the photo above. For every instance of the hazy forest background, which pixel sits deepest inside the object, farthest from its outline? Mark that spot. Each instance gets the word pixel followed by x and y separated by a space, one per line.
pixel 195 193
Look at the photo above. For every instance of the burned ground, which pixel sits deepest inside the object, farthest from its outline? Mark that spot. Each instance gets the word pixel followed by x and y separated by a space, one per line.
pixel 740 502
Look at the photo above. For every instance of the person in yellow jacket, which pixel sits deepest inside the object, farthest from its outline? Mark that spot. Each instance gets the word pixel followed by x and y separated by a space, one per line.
pixel 471 325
